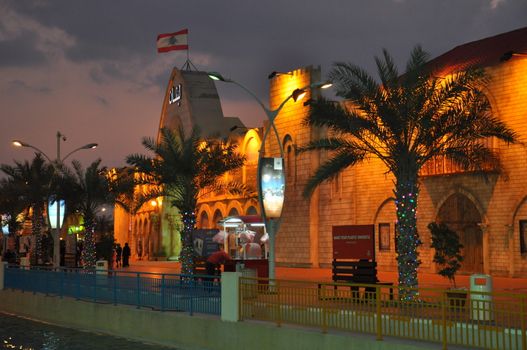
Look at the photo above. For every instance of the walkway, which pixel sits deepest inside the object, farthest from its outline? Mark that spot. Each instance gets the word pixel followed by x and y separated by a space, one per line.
pixel 324 274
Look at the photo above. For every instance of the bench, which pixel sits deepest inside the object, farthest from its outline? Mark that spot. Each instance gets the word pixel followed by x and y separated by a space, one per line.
pixel 360 272
pixel 199 266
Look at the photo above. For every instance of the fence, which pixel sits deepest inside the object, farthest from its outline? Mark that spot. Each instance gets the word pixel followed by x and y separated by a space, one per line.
pixel 494 321
pixel 159 291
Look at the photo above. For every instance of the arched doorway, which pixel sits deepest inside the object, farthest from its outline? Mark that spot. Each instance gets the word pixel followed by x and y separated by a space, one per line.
pixel 217 217
pixel 462 216
pixel 204 220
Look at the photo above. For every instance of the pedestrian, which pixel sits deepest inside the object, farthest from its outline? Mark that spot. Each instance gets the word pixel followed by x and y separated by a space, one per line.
pixel 214 261
pixel 126 255
pixel 118 252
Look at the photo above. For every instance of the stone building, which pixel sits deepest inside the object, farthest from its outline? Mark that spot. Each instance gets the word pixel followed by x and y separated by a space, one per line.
pixel 489 214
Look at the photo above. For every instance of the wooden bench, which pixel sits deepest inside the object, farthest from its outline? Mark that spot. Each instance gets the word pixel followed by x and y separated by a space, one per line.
pixel 199 266
pixel 360 272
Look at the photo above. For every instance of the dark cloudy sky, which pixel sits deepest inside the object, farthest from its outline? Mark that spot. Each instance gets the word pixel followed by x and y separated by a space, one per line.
pixel 90 68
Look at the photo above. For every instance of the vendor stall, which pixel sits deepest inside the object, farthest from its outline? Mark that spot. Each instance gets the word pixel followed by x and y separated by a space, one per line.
pixel 245 240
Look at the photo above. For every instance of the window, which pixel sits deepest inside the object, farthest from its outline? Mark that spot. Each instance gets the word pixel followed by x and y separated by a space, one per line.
pixel 523 236
pixel 384 236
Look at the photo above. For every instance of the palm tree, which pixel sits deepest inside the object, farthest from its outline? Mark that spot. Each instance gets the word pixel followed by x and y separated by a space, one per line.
pixel 183 169
pixel 88 191
pixel 405 120
pixel 34 183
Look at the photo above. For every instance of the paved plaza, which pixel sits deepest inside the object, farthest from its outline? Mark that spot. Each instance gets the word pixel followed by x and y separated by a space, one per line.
pixel 502 284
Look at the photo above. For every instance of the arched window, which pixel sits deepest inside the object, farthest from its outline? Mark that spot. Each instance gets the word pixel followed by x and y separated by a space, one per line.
pixel 204 220
pixel 251 211
pixel 217 217
pixel 233 212
pixel 290 161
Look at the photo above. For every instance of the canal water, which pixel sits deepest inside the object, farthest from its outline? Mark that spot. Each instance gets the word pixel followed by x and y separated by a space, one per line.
pixel 23 334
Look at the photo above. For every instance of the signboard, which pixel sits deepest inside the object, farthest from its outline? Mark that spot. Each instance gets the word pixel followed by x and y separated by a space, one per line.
pixel 202 242
pixel 272 186
pixel 354 242
pixel 175 95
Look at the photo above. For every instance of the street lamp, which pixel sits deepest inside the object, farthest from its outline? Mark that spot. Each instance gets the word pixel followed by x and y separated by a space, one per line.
pixel 58 161
pixel 271 217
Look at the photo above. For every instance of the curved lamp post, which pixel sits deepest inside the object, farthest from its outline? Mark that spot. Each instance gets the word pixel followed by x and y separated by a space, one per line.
pixel 271 223
pixel 56 163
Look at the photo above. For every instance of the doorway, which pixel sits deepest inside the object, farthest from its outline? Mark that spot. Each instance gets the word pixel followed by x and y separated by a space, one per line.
pixel 462 216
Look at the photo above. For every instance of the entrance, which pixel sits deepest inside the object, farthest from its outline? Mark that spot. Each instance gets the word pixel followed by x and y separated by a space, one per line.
pixel 462 216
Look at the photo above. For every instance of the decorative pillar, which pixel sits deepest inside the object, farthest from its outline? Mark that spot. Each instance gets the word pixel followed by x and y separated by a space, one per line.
pixel 509 229
pixel 486 257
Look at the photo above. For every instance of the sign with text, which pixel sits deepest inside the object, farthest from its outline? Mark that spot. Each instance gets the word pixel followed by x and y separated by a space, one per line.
pixel 202 242
pixel 354 242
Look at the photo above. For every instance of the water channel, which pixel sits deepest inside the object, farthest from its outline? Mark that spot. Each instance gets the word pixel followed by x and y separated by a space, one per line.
pixel 24 334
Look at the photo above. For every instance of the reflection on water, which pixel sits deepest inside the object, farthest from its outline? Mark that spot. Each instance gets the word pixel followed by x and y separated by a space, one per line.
pixel 23 334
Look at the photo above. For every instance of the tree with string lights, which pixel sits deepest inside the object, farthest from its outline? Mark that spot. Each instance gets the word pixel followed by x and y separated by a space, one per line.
pixel 405 120
pixel 184 168
pixel 33 181
pixel 86 191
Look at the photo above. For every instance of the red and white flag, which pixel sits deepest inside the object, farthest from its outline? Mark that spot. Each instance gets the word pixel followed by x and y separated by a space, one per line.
pixel 172 41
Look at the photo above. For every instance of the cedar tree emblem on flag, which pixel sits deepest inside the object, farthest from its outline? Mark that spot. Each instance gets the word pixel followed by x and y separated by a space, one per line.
pixel 172 41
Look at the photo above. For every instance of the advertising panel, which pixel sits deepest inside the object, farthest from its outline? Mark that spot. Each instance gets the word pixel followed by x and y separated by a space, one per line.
pixel 203 243
pixel 354 242
pixel 273 186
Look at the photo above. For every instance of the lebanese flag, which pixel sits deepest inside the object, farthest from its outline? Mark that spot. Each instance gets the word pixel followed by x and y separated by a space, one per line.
pixel 172 41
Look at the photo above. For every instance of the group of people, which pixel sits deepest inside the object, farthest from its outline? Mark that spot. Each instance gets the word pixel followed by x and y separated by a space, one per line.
pixel 121 255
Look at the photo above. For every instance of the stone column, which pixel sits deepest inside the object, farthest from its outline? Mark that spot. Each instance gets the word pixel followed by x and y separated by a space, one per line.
pixel 486 259
pixel 510 242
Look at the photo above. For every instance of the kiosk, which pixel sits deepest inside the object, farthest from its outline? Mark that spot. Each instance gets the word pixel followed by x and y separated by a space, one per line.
pixel 245 239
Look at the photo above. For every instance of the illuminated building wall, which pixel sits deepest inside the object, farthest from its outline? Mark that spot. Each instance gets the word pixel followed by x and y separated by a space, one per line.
pixel 490 215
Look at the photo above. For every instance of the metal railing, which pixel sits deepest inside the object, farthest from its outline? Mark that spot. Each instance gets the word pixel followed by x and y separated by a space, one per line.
pixel 476 320
pixel 159 291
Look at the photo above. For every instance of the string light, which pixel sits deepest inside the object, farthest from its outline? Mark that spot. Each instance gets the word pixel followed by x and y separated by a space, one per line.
pixel 408 239
pixel 187 251
pixel 89 255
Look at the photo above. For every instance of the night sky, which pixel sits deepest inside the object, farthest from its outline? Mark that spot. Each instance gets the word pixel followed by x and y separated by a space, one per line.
pixel 90 68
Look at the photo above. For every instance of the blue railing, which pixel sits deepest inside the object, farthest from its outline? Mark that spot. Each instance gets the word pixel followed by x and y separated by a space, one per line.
pixel 159 291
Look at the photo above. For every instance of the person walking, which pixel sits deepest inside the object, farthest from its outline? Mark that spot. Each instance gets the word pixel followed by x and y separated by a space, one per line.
pixel 214 261
pixel 118 253
pixel 126 255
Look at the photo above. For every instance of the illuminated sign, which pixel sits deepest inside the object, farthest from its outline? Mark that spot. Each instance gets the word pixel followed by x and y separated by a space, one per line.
pixel 354 242
pixel 52 213
pixel 175 95
pixel 272 186
pixel 5 227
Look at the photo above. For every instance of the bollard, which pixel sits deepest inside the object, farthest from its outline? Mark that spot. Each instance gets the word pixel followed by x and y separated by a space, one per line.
pixel 480 297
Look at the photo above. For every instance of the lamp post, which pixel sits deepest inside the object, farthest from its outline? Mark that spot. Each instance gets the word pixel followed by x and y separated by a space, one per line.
pixel 56 164
pixel 271 220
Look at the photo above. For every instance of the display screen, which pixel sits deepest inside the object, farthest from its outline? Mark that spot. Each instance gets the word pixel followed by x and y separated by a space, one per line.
pixel 273 186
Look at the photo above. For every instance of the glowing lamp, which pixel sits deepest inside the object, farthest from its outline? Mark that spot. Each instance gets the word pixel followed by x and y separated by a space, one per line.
pixel 298 94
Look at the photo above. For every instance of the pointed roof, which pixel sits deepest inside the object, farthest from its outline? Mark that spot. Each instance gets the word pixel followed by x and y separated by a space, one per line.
pixel 485 52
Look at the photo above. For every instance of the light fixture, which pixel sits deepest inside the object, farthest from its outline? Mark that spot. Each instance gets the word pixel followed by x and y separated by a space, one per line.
pixel 217 76
pixel 275 74
pixel 509 54
pixel 18 143
pixel 298 94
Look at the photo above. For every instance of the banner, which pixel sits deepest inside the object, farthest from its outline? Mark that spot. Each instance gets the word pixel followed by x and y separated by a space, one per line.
pixel 272 182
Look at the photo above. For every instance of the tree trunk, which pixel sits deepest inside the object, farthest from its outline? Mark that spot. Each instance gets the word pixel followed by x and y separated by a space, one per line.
pixel 187 251
pixel 406 193
pixel 36 230
pixel 89 255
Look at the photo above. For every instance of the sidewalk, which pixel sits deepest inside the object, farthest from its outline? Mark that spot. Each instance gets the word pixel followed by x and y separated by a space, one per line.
pixel 502 284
